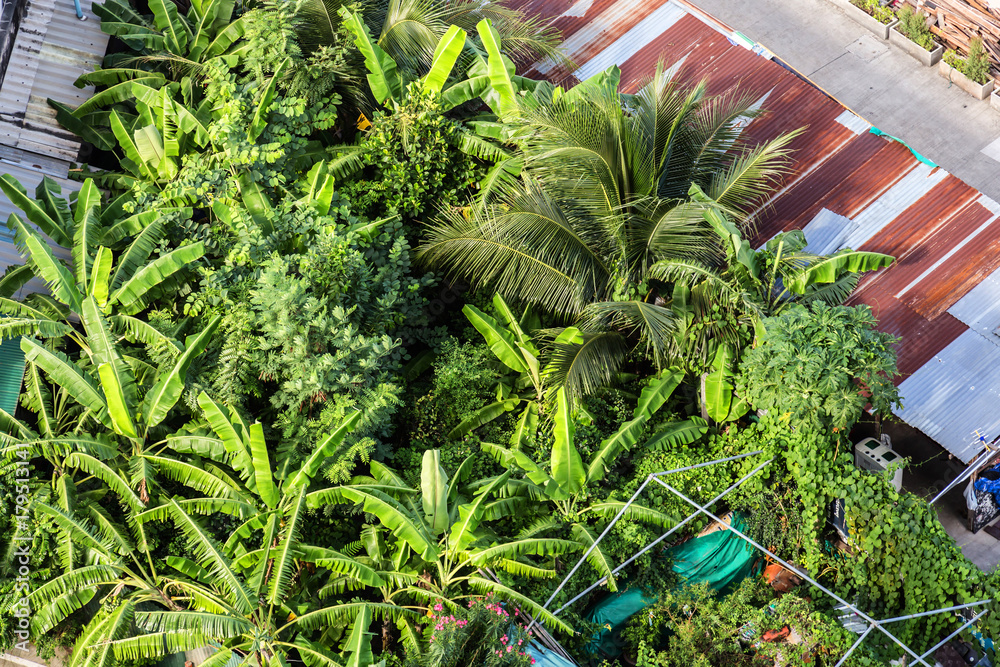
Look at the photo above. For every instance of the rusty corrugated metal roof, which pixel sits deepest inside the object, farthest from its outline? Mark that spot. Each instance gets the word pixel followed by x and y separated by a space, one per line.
pixel 850 188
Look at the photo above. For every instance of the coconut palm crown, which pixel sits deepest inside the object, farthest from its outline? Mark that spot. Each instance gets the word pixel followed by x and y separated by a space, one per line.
pixel 600 197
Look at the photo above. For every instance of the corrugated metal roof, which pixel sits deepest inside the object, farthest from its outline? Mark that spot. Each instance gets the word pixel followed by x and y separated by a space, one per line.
pixel 980 308
pixel 848 188
pixel 51 50
pixel 827 231
pixel 956 393
pixel 631 42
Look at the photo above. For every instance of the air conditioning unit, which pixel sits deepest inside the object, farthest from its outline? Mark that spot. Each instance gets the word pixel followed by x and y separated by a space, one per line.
pixel 877 455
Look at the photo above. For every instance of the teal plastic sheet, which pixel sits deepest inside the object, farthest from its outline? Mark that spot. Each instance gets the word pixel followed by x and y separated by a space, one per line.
pixel 879 133
pixel 720 559
pixel 546 658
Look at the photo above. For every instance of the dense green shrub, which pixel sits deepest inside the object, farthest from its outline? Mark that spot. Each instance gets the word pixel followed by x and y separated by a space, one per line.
pixel 820 366
pixel 698 628
pixel 876 9
pixel 914 26
pixel 976 66
pixel 413 162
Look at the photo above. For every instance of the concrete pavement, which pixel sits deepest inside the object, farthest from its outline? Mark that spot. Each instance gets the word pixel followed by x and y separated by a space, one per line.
pixel 879 82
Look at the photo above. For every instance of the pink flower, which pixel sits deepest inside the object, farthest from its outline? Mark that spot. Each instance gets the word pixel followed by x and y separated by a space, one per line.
pixel 438 607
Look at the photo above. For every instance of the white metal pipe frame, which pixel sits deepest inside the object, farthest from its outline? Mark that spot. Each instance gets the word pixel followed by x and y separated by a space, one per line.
pixel 872 623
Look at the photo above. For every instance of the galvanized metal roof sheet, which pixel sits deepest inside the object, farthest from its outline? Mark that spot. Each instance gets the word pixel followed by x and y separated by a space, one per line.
pixel 980 308
pixel 955 394
pixel 848 188
pixel 51 50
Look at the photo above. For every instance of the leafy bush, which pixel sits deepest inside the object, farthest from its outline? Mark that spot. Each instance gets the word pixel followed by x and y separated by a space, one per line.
pixel 820 366
pixel 976 66
pixel 914 26
pixel 698 628
pixel 876 9
pixel 481 634
pixel 325 320
pixel 413 162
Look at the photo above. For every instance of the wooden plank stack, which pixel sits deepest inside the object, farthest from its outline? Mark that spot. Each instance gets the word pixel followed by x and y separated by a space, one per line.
pixel 957 22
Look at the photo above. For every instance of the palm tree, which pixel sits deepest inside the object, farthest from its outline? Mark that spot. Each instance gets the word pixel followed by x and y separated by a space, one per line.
pixel 602 197
pixel 409 30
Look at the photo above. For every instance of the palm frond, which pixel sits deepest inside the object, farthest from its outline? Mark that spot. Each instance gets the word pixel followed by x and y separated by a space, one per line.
pixel 526 250
pixel 215 626
pixel 753 174
pixel 585 362
pixel 653 325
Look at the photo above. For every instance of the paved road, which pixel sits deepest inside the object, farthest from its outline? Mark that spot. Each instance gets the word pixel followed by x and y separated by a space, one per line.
pixel 878 82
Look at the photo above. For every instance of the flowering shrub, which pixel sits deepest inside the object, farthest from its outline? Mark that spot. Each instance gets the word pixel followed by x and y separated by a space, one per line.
pixel 482 634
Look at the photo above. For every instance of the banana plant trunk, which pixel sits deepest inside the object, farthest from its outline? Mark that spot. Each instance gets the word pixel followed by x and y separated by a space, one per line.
pixel 701 398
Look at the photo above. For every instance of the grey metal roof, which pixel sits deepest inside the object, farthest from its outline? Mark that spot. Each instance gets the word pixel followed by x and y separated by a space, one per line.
pixel 955 394
pixel 51 50
pixel 980 308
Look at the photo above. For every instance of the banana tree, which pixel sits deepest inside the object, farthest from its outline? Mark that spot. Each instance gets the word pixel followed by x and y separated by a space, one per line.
pixel 390 85
pixel 105 384
pixel 567 482
pixel 524 386
pixel 716 308
pixel 259 604
pixel 253 616
pixel 165 37
pixel 163 132
pixel 102 558
pixel 440 540
pixel 122 281
pixel 389 82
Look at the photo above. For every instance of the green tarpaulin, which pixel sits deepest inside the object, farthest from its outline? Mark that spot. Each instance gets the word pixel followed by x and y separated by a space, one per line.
pixel 721 559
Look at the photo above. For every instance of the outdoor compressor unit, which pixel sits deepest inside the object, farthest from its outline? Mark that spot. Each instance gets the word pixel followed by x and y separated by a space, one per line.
pixel 877 455
pixel 869 454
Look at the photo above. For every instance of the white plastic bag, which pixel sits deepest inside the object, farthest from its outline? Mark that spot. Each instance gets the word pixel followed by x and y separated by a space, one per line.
pixel 970 497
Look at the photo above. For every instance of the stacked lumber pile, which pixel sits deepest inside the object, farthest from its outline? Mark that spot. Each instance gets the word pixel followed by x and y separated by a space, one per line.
pixel 957 22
